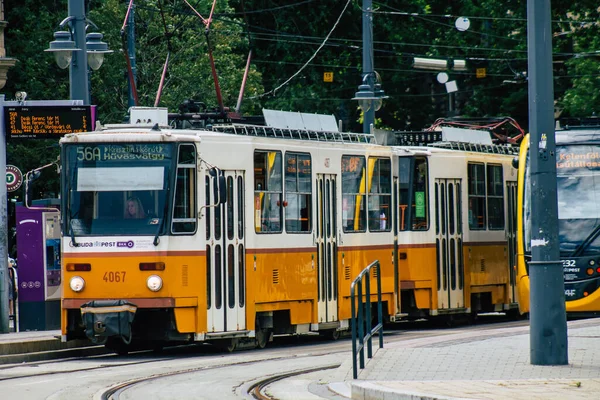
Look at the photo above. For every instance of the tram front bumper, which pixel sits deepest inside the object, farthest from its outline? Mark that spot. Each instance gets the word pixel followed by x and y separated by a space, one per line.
pixel 108 318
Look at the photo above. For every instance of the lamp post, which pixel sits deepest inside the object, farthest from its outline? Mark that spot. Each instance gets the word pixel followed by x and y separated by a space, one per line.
pixel 370 95
pixel 433 64
pixel 80 51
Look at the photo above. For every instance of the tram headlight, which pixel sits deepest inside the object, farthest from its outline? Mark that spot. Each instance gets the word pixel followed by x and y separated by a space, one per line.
pixel 77 284
pixel 154 283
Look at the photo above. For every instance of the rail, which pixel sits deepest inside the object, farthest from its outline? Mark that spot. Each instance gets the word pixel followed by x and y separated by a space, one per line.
pixel 361 320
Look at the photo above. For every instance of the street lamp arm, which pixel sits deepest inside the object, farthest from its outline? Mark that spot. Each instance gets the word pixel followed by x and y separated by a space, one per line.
pixel 371 73
pixel 66 21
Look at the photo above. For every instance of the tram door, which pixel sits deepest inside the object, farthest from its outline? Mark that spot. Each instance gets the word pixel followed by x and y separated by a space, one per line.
pixel 448 244
pixel 225 255
pixel 511 236
pixel 327 248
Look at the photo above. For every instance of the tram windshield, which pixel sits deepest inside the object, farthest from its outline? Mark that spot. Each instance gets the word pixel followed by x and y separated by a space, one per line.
pixel 116 189
pixel 578 192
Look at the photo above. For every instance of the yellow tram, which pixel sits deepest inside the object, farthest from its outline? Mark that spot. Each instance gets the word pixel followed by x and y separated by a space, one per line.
pixel 242 232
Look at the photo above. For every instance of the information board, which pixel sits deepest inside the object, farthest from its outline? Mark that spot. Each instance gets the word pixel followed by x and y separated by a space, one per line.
pixel 46 122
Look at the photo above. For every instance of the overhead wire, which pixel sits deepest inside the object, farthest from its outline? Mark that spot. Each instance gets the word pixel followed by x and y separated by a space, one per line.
pixel 311 57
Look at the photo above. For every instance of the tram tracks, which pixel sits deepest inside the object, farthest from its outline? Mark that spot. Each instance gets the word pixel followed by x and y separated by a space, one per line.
pixel 258 390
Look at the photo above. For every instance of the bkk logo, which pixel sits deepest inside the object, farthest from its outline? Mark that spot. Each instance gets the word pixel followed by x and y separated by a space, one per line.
pixel 129 244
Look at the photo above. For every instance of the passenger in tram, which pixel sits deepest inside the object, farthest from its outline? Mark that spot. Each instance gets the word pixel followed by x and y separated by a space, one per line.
pixel 134 209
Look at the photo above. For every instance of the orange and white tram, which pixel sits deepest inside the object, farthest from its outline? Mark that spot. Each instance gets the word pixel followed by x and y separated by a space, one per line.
pixel 457 246
pixel 245 232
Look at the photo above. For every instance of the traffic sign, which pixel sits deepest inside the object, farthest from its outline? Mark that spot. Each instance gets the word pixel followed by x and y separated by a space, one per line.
pixel 14 178
pixel 327 76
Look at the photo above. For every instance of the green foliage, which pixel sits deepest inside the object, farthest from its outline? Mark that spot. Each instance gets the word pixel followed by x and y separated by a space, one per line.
pixel 287 65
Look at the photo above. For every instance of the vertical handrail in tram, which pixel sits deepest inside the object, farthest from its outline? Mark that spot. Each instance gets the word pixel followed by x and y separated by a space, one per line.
pixel 362 323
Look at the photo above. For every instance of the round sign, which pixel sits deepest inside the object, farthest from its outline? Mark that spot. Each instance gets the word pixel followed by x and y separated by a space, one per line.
pixel 14 178
pixel 462 23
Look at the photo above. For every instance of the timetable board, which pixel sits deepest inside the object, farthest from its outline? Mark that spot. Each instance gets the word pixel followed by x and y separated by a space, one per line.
pixel 46 122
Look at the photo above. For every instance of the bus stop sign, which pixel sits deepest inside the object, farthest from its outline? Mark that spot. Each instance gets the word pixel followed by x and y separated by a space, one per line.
pixel 14 178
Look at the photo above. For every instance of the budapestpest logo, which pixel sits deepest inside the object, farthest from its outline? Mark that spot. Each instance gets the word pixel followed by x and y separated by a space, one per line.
pixel 128 244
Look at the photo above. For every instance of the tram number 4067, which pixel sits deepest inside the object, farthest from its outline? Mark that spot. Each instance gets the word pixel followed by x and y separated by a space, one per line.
pixel 114 277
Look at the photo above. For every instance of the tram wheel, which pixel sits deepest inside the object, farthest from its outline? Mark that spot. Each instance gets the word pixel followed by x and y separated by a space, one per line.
pixel 332 334
pixel 227 345
pixel 262 338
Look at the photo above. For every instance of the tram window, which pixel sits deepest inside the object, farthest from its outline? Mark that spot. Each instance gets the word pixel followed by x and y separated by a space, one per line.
pixel 184 207
pixel 495 197
pixel 218 283
pixel 241 275
pixel 353 194
pixel 476 180
pixel 380 194
pixel 404 164
pixel 268 191
pixel 240 204
pixel 298 193
pixel 207 220
pixel 208 277
pixel 231 276
pixel 420 200
pixel 230 216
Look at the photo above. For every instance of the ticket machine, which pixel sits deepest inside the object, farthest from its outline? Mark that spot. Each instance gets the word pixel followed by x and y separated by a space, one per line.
pixel 39 265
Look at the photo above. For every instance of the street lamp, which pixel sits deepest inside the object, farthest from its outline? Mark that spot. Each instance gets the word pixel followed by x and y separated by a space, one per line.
pixel 63 48
pixel 76 49
pixel 370 95
pixel 96 49
pixel 369 99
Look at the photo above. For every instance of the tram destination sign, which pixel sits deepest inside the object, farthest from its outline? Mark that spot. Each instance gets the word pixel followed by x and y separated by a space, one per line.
pixel 46 122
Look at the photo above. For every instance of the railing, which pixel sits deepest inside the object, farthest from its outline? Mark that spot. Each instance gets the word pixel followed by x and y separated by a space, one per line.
pixel 361 320
pixel 288 133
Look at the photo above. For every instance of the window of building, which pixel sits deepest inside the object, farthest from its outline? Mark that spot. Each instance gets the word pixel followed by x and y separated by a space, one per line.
pixel 380 194
pixel 268 191
pixel 495 197
pixel 420 198
pixel 184 207
pixel 354 184
pixel 298 192
pixel 477 214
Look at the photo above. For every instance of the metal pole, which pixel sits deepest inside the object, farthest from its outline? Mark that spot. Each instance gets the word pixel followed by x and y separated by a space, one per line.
pixel 367 61
pixel 4 277
pixel 548 317
pixel 78 77
pixel 131 47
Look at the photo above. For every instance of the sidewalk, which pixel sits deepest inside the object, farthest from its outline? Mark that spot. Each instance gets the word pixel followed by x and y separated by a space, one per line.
pixel 490 364
pixel 28 346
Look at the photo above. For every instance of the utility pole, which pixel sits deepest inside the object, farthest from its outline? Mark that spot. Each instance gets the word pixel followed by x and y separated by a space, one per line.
pixel 4 276
pixel 131 47
pixel 367 61
pixel 548 317
pixel 78 77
